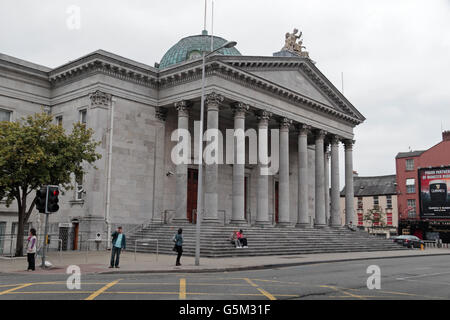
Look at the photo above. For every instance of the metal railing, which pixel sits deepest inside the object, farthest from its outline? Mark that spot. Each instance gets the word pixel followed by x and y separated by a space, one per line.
pixel 144 243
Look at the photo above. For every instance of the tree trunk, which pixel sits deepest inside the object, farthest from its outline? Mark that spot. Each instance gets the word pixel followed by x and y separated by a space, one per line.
pixel 20 227
pixel 22 204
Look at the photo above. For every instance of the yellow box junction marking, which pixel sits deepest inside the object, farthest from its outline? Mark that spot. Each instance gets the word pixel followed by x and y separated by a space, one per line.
pixel 16 288
pixel 103 289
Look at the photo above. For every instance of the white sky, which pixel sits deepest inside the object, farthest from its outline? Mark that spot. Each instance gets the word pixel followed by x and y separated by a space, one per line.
pixel 395 55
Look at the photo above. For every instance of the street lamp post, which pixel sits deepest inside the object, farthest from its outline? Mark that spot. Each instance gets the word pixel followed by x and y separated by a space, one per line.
pixel 229 44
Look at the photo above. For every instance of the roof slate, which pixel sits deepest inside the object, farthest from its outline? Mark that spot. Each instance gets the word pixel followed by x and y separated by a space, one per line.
pixel 373 186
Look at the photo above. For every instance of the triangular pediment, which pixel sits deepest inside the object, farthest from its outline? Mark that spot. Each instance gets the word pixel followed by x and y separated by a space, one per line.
pixel 294 80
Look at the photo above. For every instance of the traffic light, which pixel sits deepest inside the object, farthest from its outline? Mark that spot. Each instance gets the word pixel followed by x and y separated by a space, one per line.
pixel 41 198
pixel 52 204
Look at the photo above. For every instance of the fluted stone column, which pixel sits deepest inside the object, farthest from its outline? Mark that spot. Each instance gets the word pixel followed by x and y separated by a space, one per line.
pixel 350 216
pixel 283 194
pixel 213 102
pixel 335 213
pixel 181 169
pixel 303 216
pixel 326 163
pixel 238 197
pixel 320 180
pixel 159 168
pixel 262 215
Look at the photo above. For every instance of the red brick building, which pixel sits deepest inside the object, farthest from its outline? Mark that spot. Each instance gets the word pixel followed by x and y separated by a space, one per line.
pixel 411 215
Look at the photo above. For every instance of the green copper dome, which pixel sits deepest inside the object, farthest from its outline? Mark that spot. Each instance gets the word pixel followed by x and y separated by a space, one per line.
pixel 193 47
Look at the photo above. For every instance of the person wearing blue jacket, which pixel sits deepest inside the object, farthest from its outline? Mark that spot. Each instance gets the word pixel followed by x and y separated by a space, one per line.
pixel 178 239
pixel 118 243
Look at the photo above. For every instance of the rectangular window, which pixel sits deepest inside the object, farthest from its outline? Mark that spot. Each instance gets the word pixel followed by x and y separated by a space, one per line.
pixel 360 219
pixel 5 115
pixel 79 188
pixel 360 203
pixel 83 116
pixel 411 208
pixel 376 219
pixel 389 202
pixel 376 202
pixel 409 164
pixel 389 218
pixel 410 185
pixel 26 229
pixel 59 120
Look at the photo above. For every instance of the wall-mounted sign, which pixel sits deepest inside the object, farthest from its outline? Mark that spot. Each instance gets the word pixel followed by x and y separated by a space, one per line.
pixel 434 187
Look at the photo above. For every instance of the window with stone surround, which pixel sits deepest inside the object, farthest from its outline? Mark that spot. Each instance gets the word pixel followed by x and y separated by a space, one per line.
pixel 412 207
pixel 409 164
pixel 360 203
pixel 411 185
pixel 5 115
pixel 59 120
pixel 389 202
pixel 83 116
pixel 79 190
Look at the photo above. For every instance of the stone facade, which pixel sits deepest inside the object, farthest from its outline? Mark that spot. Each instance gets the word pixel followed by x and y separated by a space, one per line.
pixel 150 103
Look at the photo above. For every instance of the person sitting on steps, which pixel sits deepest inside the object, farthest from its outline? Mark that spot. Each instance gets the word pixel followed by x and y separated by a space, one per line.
pixel 242 239
pixel 234 240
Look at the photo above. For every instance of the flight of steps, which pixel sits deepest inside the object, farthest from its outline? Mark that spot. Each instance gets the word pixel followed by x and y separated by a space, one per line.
pixel 261 241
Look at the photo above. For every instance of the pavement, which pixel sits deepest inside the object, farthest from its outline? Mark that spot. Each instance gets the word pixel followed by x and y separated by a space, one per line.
pixel 97 262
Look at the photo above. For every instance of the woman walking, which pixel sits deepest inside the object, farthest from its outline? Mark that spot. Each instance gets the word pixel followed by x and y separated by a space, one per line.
pixel 178 239
pixel 31 249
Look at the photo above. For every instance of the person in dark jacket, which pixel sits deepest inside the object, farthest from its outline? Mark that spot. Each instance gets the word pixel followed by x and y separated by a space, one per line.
pixel 118 243
pixel 178 239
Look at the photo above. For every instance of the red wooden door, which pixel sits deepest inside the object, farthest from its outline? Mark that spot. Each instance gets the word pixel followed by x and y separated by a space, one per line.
pixel 276 201
pixel 192 194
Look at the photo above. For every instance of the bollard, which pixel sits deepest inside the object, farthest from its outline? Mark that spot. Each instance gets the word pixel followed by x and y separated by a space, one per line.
pixel 421 247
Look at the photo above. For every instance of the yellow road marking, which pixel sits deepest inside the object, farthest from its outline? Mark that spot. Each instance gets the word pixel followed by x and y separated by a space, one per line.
pixel 16 288
pixel 182 294
pixel 250 282
pixel 100 291
pixel 344 292
pixel 264 292
pixel 268 295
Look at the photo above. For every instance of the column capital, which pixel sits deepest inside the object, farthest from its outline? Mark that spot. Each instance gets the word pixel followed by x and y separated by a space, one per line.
pixel 304 129
pixel 100 99
pixel 348 144
pixel 263 115
pixel 183 107
pixel 213 100
pixel 334 139
pixel 320 134
pixel 285 123
pixel 161 114
pixel 239 109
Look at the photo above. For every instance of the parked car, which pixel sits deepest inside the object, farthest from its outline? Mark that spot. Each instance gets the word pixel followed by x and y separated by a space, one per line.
pixel 399 239
pixel 410 241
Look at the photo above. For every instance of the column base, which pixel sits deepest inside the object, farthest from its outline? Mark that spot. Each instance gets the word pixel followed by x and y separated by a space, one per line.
pixel 320 226
pixel 239 223
pixel 303 226
pixel 283 225
pixel 182 221
pixel 263 224
pixel 210 221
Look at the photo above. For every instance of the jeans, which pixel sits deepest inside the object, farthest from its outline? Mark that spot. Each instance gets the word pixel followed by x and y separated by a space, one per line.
pixel 31 261
pixel 115 255
pixel 180 252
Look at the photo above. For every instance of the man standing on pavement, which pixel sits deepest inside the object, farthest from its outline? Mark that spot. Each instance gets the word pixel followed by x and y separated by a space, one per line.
pixel 118 243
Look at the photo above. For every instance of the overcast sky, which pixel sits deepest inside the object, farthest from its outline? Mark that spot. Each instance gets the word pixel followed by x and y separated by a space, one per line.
pixel 395 55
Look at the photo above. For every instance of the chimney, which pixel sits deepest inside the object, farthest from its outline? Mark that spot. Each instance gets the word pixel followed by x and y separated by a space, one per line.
pixel 446 135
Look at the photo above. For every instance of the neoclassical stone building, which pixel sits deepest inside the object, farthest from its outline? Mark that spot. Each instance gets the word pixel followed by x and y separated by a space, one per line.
pixel 134 109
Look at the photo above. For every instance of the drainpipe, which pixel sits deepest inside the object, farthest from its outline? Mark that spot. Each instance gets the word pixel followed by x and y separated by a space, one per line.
pixel 108 179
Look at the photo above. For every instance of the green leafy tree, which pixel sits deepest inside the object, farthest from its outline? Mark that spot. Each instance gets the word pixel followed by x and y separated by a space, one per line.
pixel 375 217
pixel 36 152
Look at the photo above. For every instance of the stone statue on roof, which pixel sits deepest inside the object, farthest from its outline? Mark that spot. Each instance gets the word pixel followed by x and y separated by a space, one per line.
pixel 293 46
